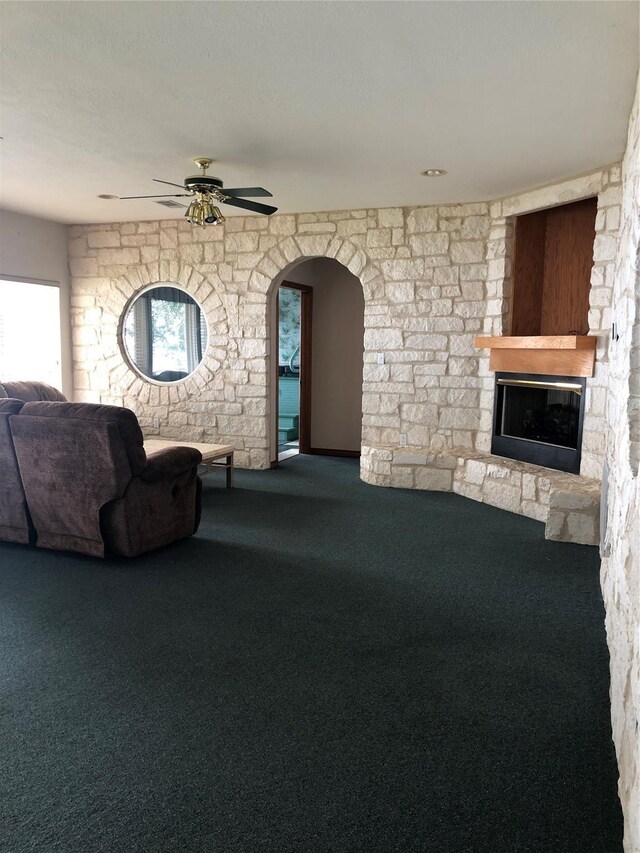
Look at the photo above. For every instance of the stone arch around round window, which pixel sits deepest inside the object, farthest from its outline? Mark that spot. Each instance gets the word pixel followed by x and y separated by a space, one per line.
pixel 124 379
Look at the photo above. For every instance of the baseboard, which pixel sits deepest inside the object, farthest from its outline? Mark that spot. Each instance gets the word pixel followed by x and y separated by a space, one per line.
pixel 323 451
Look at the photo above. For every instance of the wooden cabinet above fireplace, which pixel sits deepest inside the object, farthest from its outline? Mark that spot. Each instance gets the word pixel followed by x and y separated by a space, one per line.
pixel 553 256
pixel 558 355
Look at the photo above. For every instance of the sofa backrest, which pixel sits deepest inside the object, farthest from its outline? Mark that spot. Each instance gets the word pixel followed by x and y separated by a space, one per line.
pixel 15 522
pixel 31 391
pixel 74 458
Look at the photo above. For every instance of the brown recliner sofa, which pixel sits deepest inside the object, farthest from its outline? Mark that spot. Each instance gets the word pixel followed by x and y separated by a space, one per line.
pixel 15 521
pixel 89 486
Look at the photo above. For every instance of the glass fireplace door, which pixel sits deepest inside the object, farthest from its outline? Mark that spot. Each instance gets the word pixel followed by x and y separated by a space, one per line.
pixel 539 419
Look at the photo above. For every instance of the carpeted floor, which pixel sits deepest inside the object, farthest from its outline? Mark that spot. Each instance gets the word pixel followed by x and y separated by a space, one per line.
pixel 327 667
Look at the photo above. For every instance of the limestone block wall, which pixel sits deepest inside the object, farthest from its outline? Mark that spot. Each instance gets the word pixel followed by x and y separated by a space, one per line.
pixel 422 271
pixel 621 566
pixel 492 296
pixel 433 278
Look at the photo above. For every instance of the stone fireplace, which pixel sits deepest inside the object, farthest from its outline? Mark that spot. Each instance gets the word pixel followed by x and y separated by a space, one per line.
pixel 566 501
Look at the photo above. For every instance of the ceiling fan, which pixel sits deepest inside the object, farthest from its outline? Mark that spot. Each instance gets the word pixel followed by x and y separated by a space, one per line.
pixel 205 189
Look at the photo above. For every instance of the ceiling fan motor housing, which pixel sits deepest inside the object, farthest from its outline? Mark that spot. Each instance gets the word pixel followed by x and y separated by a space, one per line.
pixel 202 183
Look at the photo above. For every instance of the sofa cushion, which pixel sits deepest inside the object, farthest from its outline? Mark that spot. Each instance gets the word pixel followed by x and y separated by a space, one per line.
pixel 9 406
pixel 29 391
pixel 97 417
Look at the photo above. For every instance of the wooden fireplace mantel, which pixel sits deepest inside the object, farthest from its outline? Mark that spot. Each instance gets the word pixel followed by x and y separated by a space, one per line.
pixel 558 355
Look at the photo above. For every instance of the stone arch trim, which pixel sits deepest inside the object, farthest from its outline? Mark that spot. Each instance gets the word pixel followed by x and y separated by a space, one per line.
pixel 301 247
pixel 305 247
pixel 123 379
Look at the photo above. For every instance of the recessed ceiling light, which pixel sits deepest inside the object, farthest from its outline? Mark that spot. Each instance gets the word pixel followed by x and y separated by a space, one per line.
pixel 105 195
pixel 434 173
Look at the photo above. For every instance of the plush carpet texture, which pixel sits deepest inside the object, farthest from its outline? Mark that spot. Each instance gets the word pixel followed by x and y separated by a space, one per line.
pixel 326 667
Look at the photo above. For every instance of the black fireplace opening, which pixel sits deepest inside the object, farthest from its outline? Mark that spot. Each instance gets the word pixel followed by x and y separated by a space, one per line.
pixel 538 418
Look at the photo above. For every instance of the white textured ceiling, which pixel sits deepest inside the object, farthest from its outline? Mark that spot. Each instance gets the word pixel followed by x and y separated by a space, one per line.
pixel 329 105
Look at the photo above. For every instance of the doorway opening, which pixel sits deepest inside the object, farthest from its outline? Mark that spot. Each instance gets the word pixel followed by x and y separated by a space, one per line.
pixel 294 368
pixel 316 408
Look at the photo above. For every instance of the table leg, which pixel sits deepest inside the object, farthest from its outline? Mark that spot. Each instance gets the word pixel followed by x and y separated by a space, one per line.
pixel 230 471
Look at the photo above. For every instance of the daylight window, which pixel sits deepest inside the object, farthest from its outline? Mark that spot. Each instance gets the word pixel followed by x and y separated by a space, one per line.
pixel 30 346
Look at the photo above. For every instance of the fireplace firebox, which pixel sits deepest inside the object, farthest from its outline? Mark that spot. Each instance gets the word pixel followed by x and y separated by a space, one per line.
pixel 538 418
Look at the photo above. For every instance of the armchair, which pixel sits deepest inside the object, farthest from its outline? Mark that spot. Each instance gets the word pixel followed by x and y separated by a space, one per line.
pixel 90 487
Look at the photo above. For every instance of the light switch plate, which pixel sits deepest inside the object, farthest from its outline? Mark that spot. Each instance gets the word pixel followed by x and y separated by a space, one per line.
pixel 380 358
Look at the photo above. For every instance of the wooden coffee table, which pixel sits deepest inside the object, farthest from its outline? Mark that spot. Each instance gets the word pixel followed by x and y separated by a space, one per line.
pixel 210 453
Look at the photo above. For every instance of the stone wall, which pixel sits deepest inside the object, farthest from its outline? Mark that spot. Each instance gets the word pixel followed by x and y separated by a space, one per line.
pixel 379 462
pixel 621 566
pixel 433 278
pixel 422 272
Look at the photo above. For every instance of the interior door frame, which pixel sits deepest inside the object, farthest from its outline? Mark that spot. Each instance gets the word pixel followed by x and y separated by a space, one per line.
pixel 306 326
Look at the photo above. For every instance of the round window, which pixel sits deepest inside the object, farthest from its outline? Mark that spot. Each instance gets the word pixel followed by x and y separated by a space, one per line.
pixel 164 333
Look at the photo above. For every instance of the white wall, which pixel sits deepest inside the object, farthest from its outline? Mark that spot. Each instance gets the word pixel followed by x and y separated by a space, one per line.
pixel 38 249
pixel 338 335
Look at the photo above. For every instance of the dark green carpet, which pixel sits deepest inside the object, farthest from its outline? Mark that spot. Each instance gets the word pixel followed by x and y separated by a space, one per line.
pixel 326 666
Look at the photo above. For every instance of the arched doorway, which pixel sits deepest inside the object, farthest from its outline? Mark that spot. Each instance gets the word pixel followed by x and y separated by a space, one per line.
pixel 326 371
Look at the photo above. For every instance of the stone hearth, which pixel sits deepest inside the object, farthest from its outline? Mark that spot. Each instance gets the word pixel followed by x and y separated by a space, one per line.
pixel 569 505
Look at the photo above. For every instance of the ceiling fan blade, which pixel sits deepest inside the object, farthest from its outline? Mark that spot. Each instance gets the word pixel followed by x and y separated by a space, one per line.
pixel 251 205
pixel 236 192
pixel 171 184
pixel 171 195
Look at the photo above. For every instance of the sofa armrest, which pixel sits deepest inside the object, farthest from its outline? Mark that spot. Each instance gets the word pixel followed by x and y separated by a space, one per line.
pixel 171 462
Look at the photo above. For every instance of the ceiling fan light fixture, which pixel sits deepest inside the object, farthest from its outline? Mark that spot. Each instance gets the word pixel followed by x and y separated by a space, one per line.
pixel 207 211
pixel 195 213
pixel 213 215
pixel 199 218
pixel 202 212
